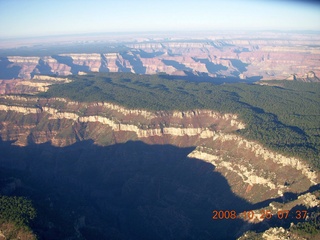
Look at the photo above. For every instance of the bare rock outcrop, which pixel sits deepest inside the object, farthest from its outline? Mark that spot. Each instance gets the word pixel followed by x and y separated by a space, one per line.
pixel 273 58
pixel 253 172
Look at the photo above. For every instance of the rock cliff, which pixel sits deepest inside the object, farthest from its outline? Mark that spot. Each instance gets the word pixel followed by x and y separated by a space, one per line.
pixel 39 83
pixel 265 58
pixel 253 172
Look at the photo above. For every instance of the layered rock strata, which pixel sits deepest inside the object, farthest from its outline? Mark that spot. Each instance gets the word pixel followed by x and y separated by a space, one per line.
pixel 245 58
pixel 253 172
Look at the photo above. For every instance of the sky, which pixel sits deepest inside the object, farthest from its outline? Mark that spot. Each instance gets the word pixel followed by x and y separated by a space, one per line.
pixel 30 18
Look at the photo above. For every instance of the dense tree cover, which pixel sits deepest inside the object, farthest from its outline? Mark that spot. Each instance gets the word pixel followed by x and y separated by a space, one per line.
pixel 18 210
pixel 285 117
pixel 310 227
pixel 16 214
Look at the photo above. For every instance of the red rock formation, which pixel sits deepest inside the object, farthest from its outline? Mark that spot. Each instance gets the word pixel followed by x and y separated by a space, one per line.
pixel 269 58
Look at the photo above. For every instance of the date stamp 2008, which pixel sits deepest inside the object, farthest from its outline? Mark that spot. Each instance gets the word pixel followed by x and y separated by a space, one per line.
pixel 262 214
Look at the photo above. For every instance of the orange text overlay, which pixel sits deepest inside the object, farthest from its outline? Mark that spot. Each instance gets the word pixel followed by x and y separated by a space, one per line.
pixel 260 214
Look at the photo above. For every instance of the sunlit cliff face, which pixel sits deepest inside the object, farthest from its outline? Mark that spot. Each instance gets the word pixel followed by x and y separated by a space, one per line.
pixel 253 172
pixel 270 58
pixel 113 154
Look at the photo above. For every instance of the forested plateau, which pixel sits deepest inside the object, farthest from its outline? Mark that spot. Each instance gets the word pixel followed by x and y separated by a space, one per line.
pixel 103 154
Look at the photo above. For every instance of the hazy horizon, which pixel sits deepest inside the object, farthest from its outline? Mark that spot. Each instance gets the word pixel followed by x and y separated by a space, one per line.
pixel 23 19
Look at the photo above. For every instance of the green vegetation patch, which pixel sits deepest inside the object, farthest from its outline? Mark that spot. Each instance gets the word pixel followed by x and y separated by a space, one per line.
pixel 16 209
pixel 284 117
pixel 16 214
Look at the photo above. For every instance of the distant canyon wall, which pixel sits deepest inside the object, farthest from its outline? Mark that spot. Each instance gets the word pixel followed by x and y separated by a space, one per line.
pixel 260 59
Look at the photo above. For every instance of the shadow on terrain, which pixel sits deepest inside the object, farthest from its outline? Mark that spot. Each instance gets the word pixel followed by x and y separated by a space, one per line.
pixel 211 67
pixel 124 191
pixel 144 54
pixel 42 68
pixel 135 62
pixel 242 67
pixel 75 69
pixel 104 64
pixel 217 80
pixel 287 197
pixel 127 191
pixel 122 68
pixel 176 65
pixel 241 50
pixel 6 71
pixel 294 215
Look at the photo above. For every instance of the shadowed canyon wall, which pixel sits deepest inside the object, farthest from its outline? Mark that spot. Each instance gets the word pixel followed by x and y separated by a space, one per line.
pixel 260 58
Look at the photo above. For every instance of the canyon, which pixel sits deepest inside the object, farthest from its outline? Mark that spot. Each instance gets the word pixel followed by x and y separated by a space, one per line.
pixel 262 178
pixel 212 133
pixel 267 56
pixel 101 169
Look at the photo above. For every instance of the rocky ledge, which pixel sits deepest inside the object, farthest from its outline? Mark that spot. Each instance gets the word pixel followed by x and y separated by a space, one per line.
pixel 253 172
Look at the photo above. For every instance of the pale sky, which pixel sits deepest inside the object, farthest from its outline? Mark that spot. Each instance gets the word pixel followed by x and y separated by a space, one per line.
pixel 24 18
